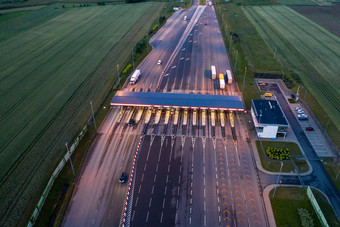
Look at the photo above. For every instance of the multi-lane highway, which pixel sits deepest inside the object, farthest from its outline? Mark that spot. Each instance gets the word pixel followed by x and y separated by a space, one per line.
pixel 190 170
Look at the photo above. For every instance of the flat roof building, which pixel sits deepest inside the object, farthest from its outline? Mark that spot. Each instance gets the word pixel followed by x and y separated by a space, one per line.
pixel 177 100
pixel 269 119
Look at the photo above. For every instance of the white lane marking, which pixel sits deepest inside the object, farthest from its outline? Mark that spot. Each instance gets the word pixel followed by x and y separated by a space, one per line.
pixel 180 168
pixel 190 34
pixel 183 49
pixel 150 202
pixel 95 213
pixel 216 176
pixel 195 41
pixel 218 200
pixel 163 203
pixel 191 192
pixel 167 178
pixel 177 204
pixel 203 169
pixel 142 178
pixel 190 210
pixel 190 41
pixel 157 167
pixel 147 217
pixel 204 193
pixel 219 209
pixel 176 218
pixel 154 178
pixel 93 222
pixel 133 215
pixel 204 181
pixel 139 188
pixel 181 58
pixel 136 202
pixel 144 166
pixel 205 208
pixel 200 33
pixel 166 75
pixel 178 191
pixel 161 217
pixel 187 59
pixel 165 190
pixel 153 187
pixel 205 220
pixel 190 220
pixel 179 179
pixel 168 168
pixel 219 218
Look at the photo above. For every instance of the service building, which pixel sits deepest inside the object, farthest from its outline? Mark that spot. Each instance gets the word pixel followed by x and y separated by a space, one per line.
pixel 269 119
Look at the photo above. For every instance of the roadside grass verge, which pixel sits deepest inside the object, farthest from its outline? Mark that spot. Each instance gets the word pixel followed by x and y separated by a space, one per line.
pixel 57 107
pixel 288 165
pixel 66 177
pixel 287 201
pixel 332 169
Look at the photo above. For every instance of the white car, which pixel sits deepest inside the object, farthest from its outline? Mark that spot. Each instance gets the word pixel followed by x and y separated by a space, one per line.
pixel 302 115
pixel 300 111
pixel 297 108
pixel 159 62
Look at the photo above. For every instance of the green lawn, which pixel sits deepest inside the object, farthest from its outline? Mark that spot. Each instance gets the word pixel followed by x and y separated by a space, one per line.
pixel 332 170
pixel 288 199
pixel 305 47
pixel 8 16
pixel 50 69
pixel 274 165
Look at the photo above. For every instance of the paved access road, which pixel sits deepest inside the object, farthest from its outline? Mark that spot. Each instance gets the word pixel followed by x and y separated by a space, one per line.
pixel 319 178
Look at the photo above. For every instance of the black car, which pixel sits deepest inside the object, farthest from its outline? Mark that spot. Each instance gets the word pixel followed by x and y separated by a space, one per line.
pixel 123 178
pixel 132 122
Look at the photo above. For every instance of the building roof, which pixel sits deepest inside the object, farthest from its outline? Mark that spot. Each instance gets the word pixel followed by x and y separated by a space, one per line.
pixel 125 98
pixel 269 112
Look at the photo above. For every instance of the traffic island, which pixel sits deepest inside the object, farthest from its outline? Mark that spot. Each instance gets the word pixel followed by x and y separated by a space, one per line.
pixel 272 153
pixel 292 207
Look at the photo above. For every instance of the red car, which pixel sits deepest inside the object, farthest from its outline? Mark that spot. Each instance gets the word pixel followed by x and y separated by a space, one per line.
pixel 309 129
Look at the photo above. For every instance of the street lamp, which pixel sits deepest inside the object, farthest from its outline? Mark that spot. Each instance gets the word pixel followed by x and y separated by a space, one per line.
pixel 94 120
pixel 68 150
pixel 277 180
pixel 324 133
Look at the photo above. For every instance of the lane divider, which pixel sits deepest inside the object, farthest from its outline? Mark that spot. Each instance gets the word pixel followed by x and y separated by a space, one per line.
pixel 128 201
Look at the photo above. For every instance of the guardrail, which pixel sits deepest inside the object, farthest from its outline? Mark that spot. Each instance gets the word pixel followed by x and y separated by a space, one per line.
pixel 54 176
pixel 125 221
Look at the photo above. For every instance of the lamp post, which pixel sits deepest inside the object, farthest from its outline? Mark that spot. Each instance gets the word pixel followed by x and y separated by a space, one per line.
pixel 68 150
pixel 94 120
pixel 277 180
pixel 324 133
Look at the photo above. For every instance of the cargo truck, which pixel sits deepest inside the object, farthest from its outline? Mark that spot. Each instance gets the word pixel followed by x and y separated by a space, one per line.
pixel 213 72
pixel 135 76
pixel 230 77
pixel 222 82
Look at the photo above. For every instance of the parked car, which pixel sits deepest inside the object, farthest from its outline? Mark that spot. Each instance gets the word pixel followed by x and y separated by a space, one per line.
pixel 262 84
pixel 302 117
pixel 300 111
pixel 123 178
pixel 159 62
pixel 309 129
pixel 132 122
pixel 297 108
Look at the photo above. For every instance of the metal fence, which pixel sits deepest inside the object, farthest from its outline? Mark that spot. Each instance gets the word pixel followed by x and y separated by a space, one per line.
pixel 54 176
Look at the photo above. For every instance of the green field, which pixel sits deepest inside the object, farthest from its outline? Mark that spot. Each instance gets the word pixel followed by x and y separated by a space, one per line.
pixel 305 47
pixel 308 2
pixel 50 69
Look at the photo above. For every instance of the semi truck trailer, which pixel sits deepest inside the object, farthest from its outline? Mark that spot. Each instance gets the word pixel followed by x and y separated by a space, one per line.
pixel 230 77
pixel 222 82
pixel 213 72
pixel 135 77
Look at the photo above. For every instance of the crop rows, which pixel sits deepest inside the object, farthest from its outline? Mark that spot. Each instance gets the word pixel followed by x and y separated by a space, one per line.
pixel 306 47
pixel 47 79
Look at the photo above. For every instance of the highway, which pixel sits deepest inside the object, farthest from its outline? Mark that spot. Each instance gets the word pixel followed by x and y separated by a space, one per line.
pixel 190 170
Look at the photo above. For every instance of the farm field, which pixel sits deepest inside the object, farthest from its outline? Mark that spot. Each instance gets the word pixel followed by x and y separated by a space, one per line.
pixel 49 72
pixel 305 47
pixel 328 17
pixel 308 2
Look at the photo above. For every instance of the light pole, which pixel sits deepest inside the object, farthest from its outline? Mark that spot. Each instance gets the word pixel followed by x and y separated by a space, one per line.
pixel 94 120
pixel 133 60
pixel 68 150
pixel 324 133
pixel 336 177
pixel 236 61
pixel 118 76
pixel 277 180
pixel 244 78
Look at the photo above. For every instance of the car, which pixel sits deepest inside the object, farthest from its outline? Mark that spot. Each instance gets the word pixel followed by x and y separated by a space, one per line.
pixel 302 115
pixel 262 84
pixel 297 108
pixel 159 62
pixel 309 128
pixel 123 178
pixel 132 122
pixel 300 111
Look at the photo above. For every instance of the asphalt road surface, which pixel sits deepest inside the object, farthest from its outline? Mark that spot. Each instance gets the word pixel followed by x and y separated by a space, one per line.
pixel 189 173
pixel 319 178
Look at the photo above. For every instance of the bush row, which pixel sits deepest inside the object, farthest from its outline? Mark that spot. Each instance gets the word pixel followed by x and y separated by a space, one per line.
pixel 278 153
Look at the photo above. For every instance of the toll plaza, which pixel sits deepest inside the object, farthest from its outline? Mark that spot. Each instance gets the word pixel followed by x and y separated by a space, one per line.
pixel 178 100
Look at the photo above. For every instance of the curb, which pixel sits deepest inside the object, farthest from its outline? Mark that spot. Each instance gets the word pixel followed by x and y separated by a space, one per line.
pixel 128 200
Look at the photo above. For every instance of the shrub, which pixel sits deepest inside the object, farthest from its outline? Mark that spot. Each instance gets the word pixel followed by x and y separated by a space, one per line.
pixel 155 27
pixel 127 68
pixel 278 153
pixel 305 218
